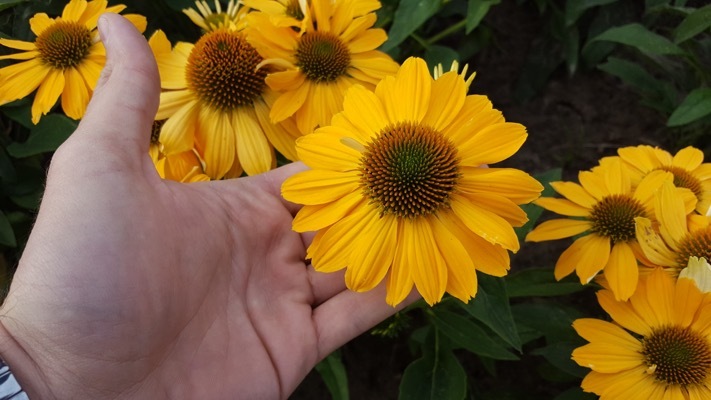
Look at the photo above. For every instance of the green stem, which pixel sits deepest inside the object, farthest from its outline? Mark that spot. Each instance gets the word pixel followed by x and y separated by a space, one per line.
pixel 424 43
pixel 446 32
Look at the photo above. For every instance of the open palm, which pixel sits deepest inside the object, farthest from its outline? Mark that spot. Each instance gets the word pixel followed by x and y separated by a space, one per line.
pixel 134 287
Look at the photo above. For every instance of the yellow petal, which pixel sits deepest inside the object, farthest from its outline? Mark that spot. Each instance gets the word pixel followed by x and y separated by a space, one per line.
pixel 325 151
pixel 335 245
pixel 18 44
pixel 407 95
pixel 313 218
pixel 216 138
pixel 688 297
pixel 562 207
pixel 639 157
pixel 485 223
pixel 287 104
pixel 277 134
pixel 671 214
pixel 139 21
pixel 575 193
pixel 74 10
pixel 90 70
pixel 660 295
pixel 372 252
pixel 621 271
pixel 19 80
pixel 652 244
pixel 616 178
pixel 623 313
pixel 314 187
pixel 511 183
pixel 500 206
pixel 39 23
pixel 448 94
pixel 461 277
pixel 400 281
pixel 598 331
pixel 493 144
pixel 368 40
pixel 608 358
pixel 688 158
pixel 92 12
pixel 427 265
pixel 557 229
pixel 178 133
pixel 594 184
pixel 642 305
pixel 25 55
pixel 254 152
pixel 283 81
pixel 588 255
pixel 76 94
pixel 173 101
pixel 47 94
pixel 364 110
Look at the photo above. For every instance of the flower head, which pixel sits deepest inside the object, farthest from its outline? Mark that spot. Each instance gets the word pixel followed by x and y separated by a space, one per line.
pixel 397 191
pixel 210 20
pixel 319 63
pixel 687 166
pixel 604 207
pixel 658 348
pixel 65 59
pixel 216 102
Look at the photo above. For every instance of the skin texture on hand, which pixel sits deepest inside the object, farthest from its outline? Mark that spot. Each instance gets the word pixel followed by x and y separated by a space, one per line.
pixel 134 287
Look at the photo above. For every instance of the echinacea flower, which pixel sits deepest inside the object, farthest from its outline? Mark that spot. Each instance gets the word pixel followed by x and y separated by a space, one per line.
pixel 65 59
pixel 210 20
pixel 603 207
pixel 215 101
pixel 335 51
pixel 687 165
pixel 397 190
pixel 658 348
pixel 678 236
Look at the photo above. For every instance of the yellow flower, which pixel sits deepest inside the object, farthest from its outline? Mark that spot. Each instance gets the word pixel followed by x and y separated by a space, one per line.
pixel 334 52
pixel 210 20
pixel 687 166
pixel 65 59
pixel 397 189
pixel 604 206
pixel 667 355
pixel 181 167
pixel 216 101
pixel 679 235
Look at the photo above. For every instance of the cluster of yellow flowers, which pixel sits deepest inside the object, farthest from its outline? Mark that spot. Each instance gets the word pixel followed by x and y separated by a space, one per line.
pixel 644 216
pixel 399 187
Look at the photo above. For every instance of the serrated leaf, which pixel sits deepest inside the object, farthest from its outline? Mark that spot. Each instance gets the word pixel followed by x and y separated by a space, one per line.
pixel 476 11
pixel 334 376
pixel 695 106
pixel 7 235
pixel 694 23
pixel 632 74
pixel 437 375
pixel 575 8
pixel 539 282
pixel 491 307
pixel 408 17
pixel 639 37
pixel 46 136
pixel 469 335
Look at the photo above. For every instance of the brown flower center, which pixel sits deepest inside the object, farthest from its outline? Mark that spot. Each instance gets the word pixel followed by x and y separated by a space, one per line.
pixel 64 44
pixel 222 71
pixel 684 179
pixel 614 215
pixel 322 56
pixel 697 244
pixel 678 356
pixel 409 170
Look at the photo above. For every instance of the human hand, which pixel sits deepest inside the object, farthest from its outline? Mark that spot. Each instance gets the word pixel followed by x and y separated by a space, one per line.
pixel 135 287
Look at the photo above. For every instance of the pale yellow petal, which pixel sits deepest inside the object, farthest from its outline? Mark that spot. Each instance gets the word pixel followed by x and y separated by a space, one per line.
pixel 652 244
pixel 173 101
pixel 671 214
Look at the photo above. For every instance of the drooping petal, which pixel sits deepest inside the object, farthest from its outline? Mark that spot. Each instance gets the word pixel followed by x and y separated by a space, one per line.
pixel 485 223
pixel 587 255
pixel 428 268
pixel 178 132
pixel 623 313
pixel 253 149
pixel 313 218
pixel 19 80
pixel 514 184
pixel 372 252
pixel 315 187
pixel 335 244
pixel 557 229
pixel 621 271
pixel 652 244
pixel 215 137
pixel 287 104
pixel 49 91
pixel 461 276
pixel 400 281
pixel 575 193
pixel 323 151
pixel 76 94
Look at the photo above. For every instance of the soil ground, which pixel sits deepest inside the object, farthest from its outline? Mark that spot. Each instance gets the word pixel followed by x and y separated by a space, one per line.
pixel 572 123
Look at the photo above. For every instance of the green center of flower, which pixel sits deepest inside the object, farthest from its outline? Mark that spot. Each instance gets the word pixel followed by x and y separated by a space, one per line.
pixel 64 44
pixel 322 56
pixel 222 70
pixel 409 170
pixel 293 9
pixel 697 244
pixel 614 215
pixel 684 179
pixel 677 356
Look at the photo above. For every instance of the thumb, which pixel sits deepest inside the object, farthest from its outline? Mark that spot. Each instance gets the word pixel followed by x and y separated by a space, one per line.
pixel 126 97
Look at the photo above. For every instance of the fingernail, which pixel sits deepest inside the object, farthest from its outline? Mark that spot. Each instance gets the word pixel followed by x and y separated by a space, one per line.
pixel 104 29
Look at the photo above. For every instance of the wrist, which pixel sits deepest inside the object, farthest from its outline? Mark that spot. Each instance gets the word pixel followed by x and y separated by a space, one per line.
pixel 23 367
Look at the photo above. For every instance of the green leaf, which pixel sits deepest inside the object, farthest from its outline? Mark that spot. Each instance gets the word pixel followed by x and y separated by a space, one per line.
pixel 695 23
pixel 491 307
pixel 696 105
pixel 641 38
pixel 533 211
pixel 575 8
pixel 575 393
pixel 548 318
pixel 9 3
pixel 559 354
pixel 46 136
pixel 539 282
pixel 180 5
pixel 469 335
pixel 476 11
pixel 437 54
pixel 437 375
pixel 410 14
pixel 334 376
pixel 632 74
pixel 7 235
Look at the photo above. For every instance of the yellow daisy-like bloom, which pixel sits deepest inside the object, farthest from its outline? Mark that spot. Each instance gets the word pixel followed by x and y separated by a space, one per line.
pixel 216 101
pixel 210 20
pixel 181 167
pixel 659 347
pixel 604 206
pixel 678 237
pixel 65 60
pixel 396 189
pixel 334 52
pixel 687 165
